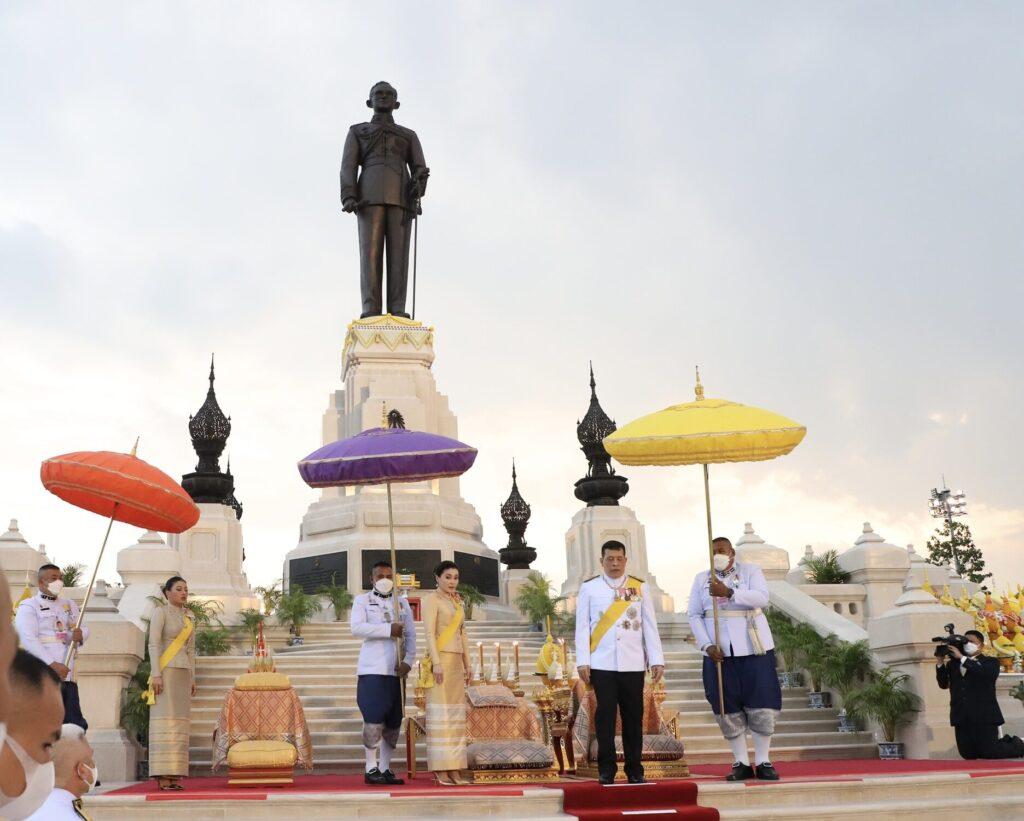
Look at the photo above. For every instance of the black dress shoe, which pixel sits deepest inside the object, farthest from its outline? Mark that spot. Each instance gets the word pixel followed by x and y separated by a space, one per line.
pixel 375 777
pixel 740 772
pixel 391 778
pixel 637 779
pixel 606 779
pixel 766 772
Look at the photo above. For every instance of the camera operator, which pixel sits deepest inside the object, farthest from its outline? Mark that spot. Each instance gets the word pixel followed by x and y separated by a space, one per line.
pixel 973 710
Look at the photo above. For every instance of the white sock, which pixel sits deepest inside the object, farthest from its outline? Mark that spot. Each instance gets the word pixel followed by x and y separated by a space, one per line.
pixel 739 749
pixel 371 758
pixel 762 743
pixel 386 751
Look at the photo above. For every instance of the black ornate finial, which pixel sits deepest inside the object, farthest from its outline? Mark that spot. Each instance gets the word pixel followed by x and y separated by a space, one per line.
pixel 600 486
pixel 396 420
pixel 515 513
pixel 209 429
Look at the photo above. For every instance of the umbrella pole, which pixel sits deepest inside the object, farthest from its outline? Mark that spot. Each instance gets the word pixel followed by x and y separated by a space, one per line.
pixel 394 591
pixel 88 591
pixel 714 600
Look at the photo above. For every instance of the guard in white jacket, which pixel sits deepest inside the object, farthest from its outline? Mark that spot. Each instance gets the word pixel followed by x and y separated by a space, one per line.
pixel 379 674
pixel 750 682
pixel 616 641
pixel 46 628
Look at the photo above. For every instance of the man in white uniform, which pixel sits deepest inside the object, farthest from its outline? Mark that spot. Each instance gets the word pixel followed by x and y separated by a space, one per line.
pixel 753 697
pixel 46 628
pixel 379 675
pixel 75 773
pixel 616 641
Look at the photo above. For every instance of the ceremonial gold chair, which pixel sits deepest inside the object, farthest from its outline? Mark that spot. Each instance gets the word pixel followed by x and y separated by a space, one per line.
pixel 662 755
pixel 505 739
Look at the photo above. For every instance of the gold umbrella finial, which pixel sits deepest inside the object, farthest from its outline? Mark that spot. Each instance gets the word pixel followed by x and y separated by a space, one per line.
pixel 135 447
pixel 699 388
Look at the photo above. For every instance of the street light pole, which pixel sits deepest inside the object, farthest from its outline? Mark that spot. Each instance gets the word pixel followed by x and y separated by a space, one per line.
pixel 945 504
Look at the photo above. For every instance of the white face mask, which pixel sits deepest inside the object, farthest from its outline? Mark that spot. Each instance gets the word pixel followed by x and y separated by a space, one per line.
pixel 55 588
pixel 384 586
pixel 93 776
pixel 39 780
pixel 970 648
pixel 721 562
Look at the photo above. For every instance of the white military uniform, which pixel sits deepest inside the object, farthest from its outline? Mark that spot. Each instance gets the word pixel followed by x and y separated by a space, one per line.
pixel 632 643
pixel 371 620
pixel 44 628
pixel 58 807
pixel 750 595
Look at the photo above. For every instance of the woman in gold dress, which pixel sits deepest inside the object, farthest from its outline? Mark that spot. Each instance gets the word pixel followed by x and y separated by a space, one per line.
pixel 444 625
pixel 172 654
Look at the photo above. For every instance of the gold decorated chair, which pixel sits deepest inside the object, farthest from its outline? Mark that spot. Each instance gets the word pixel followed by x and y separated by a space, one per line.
pixel 262 732
pixel 662 754
pixel 505 739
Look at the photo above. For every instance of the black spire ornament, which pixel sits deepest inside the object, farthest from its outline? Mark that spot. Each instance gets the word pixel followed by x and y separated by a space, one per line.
pixel 601 486
pixel 209 429
pixel 515 513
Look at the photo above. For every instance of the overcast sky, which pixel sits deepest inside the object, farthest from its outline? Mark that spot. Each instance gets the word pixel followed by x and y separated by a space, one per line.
pixel 819 203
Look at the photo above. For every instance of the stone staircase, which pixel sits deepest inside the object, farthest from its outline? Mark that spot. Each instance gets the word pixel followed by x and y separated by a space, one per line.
pixel 323 673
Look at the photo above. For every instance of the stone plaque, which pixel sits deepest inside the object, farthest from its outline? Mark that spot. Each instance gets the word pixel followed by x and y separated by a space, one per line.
pixel 312 572
pixel 479 571
pixel 420 562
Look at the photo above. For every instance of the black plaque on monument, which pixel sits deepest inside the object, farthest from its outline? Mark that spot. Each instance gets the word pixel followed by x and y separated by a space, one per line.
pixel 312 572
pixel 479 571
pixel 420 562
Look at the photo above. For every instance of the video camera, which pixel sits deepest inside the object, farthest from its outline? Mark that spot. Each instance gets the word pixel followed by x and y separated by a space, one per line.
pixel 951 639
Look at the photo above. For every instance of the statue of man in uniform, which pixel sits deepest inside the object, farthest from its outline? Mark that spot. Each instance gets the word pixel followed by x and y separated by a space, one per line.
pixel 385 197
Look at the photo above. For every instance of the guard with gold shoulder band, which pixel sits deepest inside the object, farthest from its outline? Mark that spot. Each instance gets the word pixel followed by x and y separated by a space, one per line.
pixel 616 641
pixel 750 683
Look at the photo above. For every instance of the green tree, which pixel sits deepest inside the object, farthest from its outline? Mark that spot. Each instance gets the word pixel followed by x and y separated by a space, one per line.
pixel 295 608
pixel 338 595
pixel 814 653
pixel 270 595
pixel 213 641
pixel 825 569
pixel 71 574
pixel 787 642
pixel 849 665
pixel 967 558
pixel 251 620
pixel 534 599
pixel 885 700
pixel 472 597
pixel 135 711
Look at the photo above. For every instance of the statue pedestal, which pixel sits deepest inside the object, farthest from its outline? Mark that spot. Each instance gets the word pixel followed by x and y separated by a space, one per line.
pixel 592 527
pixel 211 559
pixel 387 360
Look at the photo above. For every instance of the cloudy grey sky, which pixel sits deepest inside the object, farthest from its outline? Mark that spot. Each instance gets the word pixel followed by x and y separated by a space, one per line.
pixel 819 203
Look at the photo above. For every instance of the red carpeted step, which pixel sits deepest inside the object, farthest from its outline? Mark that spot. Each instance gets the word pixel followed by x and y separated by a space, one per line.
pixel 591 801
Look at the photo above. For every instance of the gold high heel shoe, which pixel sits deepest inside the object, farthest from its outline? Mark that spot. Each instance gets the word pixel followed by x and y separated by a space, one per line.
pixel 444 778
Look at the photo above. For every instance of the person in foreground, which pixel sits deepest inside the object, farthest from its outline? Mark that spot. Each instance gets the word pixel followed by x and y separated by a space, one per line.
pixel 172 654
pixel 974 712
pixel 26 767
pixel 616 641
pixel 446 672
pixel 753 697
pixel 75 774
pixel 46 626
pixel 8 646
pixel 380 674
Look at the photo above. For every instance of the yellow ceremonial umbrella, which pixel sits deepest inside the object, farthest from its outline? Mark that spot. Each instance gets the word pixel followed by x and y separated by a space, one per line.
pixel 705 432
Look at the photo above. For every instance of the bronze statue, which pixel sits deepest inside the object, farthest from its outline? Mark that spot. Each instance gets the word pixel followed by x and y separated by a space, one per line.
pixel 385 198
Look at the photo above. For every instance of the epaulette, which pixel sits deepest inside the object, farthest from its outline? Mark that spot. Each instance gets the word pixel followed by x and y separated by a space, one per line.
pixel 590 579
pixel 637 579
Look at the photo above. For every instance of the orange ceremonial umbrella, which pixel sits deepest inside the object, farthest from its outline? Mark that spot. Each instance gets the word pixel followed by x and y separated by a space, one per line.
pixel 122 487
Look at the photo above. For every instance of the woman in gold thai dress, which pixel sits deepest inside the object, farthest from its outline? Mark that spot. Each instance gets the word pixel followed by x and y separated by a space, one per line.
pixel 172 654
pixel 444 625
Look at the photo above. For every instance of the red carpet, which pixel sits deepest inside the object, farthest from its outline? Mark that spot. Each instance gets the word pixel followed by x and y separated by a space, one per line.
pixel 590 801
pixel 865 768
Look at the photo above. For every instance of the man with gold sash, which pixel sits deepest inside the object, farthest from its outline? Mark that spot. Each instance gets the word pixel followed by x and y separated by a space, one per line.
pixel 616 641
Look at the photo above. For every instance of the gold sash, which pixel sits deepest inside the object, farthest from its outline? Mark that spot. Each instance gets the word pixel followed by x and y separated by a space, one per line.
pixel 427 666
pixel 165 658
pixel 612 615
